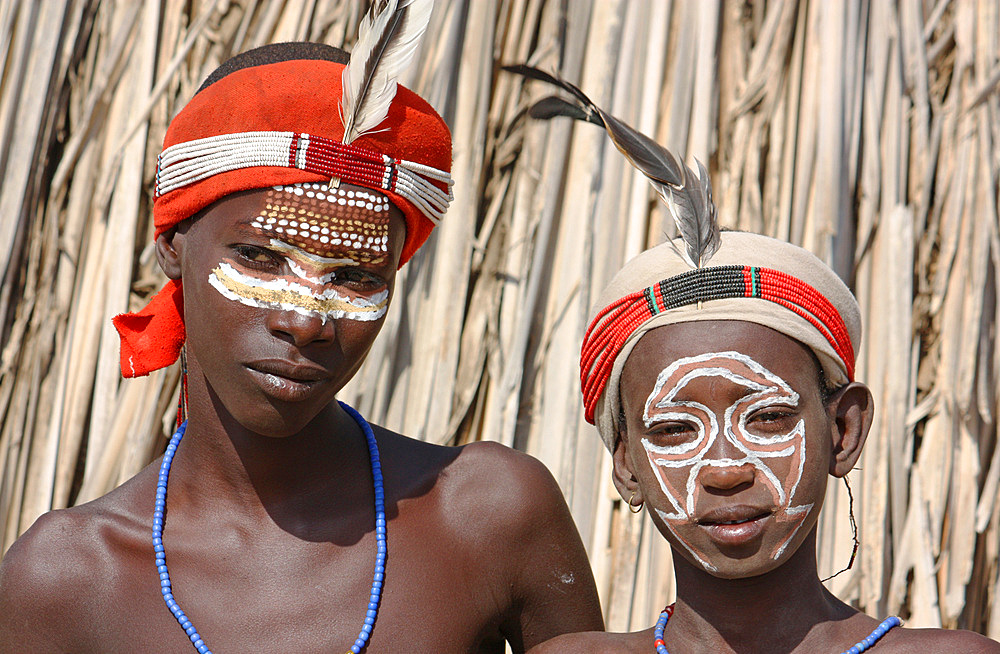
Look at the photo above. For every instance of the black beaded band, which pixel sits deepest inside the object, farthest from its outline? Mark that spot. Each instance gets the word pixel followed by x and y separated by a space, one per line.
pixel 700 285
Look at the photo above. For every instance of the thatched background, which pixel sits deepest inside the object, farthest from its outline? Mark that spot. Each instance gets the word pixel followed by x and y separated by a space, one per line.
pixel 867 131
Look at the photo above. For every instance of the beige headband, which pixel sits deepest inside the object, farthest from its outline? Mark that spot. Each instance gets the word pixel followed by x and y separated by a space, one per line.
pixel 738 249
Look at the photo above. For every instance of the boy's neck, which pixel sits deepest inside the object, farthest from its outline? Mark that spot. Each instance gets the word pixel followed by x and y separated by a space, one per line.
pixel 323 469
pixel 767 613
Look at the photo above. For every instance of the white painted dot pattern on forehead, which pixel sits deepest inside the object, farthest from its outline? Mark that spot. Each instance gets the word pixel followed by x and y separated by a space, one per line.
pixel 318 218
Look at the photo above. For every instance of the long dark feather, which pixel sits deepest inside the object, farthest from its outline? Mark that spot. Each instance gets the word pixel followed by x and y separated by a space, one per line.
pixel 538 74
pixel 688 196
pixel 553 106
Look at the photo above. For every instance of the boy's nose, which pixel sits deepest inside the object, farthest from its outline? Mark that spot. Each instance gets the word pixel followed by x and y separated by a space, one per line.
pixel 726 477
pixel 729 469
pixel 301 328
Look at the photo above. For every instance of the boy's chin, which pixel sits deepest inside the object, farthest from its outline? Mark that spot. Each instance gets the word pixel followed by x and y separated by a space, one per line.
pixel 279 421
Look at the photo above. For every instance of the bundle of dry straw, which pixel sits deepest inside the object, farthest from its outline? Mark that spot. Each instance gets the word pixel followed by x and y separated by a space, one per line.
pixel 868 132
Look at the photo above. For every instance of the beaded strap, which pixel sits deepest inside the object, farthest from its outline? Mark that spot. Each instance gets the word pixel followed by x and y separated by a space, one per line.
pixel 866 643
pixel 661 623
pixel 378 579
pixel 192 161
pixel 874 636
pixel 609 330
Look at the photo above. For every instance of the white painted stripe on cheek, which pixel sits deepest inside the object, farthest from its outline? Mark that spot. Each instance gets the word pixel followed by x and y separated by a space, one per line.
pixel 679 512
pixel 775 392
pixel 793 511
pixel 368 308
pixel 776 388
pixel 705 564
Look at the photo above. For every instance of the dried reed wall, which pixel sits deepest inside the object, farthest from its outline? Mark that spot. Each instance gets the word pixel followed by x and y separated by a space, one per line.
pixel 869 132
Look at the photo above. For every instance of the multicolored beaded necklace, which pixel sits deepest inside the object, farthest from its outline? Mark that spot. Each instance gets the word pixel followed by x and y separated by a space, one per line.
pixel 866 643
pixel 159 515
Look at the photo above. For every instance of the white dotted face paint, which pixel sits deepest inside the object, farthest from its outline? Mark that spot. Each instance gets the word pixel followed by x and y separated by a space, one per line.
pixel 314 216
pixel 316 244
pixel 677 466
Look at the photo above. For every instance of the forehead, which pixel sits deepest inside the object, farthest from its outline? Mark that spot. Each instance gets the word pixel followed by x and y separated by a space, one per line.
pixel 319 219
pixel 660 348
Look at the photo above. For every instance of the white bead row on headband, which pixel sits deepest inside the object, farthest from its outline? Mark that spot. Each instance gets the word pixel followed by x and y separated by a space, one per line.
pixel 186 163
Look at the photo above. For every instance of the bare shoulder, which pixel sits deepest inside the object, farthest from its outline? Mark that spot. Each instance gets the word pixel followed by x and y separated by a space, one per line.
pixel 945 641
pixel 54 552
pixel 40 575
pixel 507 526
pixel 489 464
pixel 482 479
pixel 596 642
pixel 57 572
pixel 483 488
pixel 517 490
pixel 517 511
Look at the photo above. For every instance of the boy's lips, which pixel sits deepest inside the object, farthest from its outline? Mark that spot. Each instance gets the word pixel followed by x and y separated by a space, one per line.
pixel 736 525
pixel 299 372
pixel 287 381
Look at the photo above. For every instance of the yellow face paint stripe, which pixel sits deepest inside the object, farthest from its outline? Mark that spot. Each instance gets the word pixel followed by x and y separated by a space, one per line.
pixel 276 298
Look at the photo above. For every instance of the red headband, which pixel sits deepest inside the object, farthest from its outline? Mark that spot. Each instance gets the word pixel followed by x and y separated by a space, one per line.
pixel 614 324
pixel 297 101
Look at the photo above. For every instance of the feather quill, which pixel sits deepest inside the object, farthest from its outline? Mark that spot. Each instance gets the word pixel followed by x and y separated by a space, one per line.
pixel 688 196
pixel 387 40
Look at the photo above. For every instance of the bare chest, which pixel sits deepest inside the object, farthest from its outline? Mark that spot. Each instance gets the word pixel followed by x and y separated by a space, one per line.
pixel 253 595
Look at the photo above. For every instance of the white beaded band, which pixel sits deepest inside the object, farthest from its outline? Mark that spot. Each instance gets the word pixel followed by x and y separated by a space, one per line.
pixel 185 163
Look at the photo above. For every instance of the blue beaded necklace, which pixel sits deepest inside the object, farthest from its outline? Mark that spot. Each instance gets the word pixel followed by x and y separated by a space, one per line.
pixel 159 514
pixel 863 645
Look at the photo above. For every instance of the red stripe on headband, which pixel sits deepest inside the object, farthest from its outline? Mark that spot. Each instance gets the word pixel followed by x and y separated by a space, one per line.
pixel 612 326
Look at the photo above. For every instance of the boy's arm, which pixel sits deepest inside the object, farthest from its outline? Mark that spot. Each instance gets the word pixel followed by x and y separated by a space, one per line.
pixel 551 586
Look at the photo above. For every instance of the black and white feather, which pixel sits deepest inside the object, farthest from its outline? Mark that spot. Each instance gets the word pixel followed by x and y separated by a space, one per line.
pixel 688 196
pixel 387 40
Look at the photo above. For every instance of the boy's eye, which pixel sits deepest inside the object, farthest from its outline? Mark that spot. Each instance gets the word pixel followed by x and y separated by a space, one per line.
pixel 256 257
pixel 771 417
pixel 672 432
pixel 358 277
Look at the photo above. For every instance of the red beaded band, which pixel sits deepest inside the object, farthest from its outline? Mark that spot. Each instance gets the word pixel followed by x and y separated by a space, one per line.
pixel 179 165
pixel 613 326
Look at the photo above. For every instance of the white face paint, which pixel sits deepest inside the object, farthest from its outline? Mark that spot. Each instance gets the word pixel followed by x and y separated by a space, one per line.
pixel 306 289
pixel 764 389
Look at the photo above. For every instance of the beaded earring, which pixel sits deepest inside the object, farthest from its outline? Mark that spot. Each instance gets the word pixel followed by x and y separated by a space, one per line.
pixel 182 396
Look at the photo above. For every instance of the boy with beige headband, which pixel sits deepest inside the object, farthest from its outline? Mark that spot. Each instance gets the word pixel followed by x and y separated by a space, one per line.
pixel 719 371
pixel 279 520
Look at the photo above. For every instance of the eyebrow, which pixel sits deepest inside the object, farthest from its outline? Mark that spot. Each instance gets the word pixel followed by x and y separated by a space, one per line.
pixel 246 225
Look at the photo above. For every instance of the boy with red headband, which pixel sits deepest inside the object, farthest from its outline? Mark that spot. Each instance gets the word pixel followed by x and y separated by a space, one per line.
pixel 279 520
pixel 719 371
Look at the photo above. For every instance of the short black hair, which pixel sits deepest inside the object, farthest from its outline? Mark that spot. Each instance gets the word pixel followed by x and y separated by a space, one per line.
pixel 274 53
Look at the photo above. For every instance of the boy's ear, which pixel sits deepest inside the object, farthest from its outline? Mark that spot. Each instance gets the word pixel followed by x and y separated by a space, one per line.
pixel 167 253
pixel 851 410
pixel 624 478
